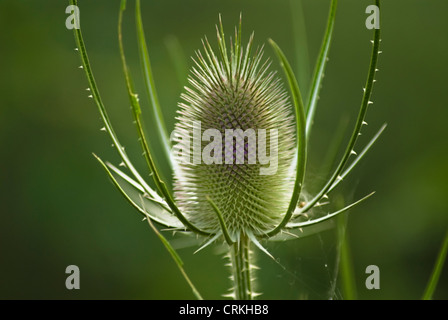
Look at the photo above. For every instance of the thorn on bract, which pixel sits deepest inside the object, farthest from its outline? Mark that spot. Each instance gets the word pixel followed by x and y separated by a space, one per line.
pixel 80 67
pixel 90 96
pixel 364 123
pixel 353 152
pixel 76 49
pixel 103 129
pixel 88 89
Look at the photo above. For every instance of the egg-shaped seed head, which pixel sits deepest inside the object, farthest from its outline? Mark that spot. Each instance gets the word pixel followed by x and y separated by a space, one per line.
pixel 234 141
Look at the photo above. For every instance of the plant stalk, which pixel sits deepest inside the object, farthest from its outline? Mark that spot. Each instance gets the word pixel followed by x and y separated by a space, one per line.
pixel 241 268
pixel 438 267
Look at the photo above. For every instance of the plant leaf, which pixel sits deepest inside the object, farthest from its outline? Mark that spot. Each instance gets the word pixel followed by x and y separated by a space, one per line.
pixel 157 212
pixel 359 122
pixel 318 76
pixel 321 194
pixel 301 138
pixel 358 158
pixel 328 216
pixel 104 116
pixel 157 114
pixel 136 185
pixel 161 186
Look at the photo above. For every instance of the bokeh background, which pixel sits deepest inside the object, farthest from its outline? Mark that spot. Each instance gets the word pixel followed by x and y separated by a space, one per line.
pixel 58 208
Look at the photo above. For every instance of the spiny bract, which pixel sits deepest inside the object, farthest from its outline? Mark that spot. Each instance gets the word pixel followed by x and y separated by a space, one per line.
pixel 235 91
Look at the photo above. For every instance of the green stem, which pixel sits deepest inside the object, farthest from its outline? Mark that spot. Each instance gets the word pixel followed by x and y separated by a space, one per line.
pixel 241 268
pixel 435 276
pixel 347 274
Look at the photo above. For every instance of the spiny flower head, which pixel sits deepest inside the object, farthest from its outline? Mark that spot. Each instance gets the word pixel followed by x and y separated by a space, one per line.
pixel 237 115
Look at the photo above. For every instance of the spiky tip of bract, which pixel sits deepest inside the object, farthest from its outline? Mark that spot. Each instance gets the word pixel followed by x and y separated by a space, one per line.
pixel 234 109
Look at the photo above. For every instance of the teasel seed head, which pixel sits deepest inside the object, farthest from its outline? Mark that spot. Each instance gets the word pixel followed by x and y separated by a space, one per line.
pixel 234 91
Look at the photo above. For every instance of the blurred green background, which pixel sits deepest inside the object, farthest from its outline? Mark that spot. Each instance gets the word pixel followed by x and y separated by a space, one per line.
pixel 58 207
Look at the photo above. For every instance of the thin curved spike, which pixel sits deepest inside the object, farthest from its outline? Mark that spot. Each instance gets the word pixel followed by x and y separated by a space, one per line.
pixel 208 242
pixel 359 123
pixel 301 138
pixel 258 244
pixel 358 158
pixel 292 234
pixel 157 114
pixel 321 194
pixel 222 223
pixel 136 185
pixel 123 175
pixel 148 157
pixel 163 221
pixel 320 68
pixel 222 48
pixel 328 216
pixel 102 110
